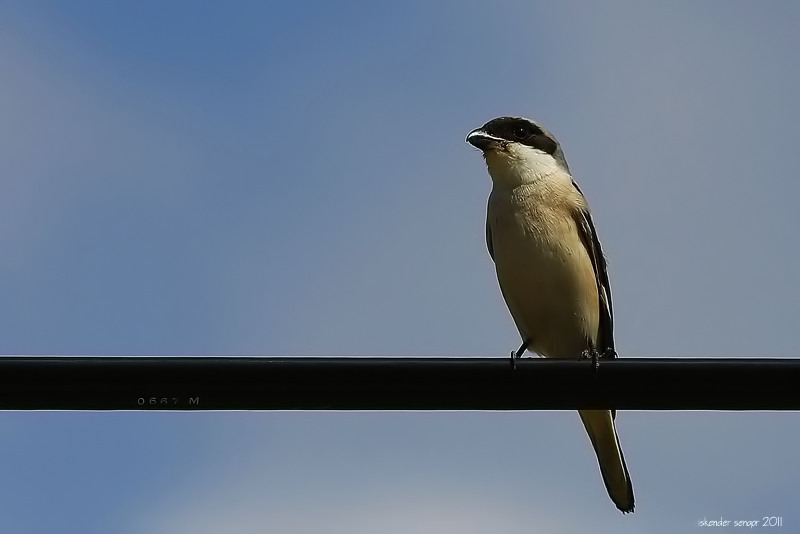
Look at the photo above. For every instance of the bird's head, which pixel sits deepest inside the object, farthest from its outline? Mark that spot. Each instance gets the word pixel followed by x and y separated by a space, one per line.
pixel 518 150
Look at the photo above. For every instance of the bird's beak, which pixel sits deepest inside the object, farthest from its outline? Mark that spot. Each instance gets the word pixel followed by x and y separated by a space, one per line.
pixel 480 139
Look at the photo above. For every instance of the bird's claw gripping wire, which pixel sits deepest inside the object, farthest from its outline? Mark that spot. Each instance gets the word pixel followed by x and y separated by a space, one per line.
pixel 517 354
pixel 592 354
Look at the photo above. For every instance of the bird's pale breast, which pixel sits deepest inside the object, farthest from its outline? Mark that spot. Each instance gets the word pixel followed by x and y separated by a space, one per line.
pixel 544 271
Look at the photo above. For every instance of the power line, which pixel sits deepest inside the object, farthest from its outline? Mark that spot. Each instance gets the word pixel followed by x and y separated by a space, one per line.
pixel 349 383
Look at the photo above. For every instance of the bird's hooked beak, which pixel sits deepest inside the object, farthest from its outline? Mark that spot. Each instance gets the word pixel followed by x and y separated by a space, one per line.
pixel 482 140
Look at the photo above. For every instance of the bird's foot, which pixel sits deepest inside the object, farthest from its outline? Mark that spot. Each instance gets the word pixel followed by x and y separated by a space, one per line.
pixel 517 354
pixel 593 355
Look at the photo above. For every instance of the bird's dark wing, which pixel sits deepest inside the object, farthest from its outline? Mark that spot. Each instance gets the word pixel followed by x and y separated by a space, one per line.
pixel 489 238
pixel 605 341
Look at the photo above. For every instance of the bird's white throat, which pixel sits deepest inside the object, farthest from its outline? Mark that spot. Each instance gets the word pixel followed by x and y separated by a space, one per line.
pixel 518 164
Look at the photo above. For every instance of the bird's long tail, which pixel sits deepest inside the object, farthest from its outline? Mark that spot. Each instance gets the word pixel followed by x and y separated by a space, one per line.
pixel 599 425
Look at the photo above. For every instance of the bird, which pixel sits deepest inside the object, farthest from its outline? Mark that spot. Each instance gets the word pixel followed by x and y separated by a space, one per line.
pixel 550 267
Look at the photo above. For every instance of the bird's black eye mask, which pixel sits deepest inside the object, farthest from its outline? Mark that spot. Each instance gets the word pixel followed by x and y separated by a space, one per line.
pixel 521 131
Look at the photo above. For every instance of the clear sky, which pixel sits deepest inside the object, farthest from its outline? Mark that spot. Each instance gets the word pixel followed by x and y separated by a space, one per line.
pixel 291 178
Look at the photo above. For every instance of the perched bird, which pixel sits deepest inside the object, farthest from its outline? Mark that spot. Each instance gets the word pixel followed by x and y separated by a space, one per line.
pixel 550 266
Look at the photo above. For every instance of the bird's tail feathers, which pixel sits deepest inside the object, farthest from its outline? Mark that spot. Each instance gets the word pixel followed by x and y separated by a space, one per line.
pixel 599 425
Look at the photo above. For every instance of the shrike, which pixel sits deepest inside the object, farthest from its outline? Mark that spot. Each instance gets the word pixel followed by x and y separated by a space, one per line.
pixel 550 267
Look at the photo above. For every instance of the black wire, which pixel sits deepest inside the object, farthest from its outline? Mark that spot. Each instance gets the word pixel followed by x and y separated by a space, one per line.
pixel 345 383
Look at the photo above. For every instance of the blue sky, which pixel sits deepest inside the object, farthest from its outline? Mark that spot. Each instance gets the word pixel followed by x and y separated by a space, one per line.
pixel 291 178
